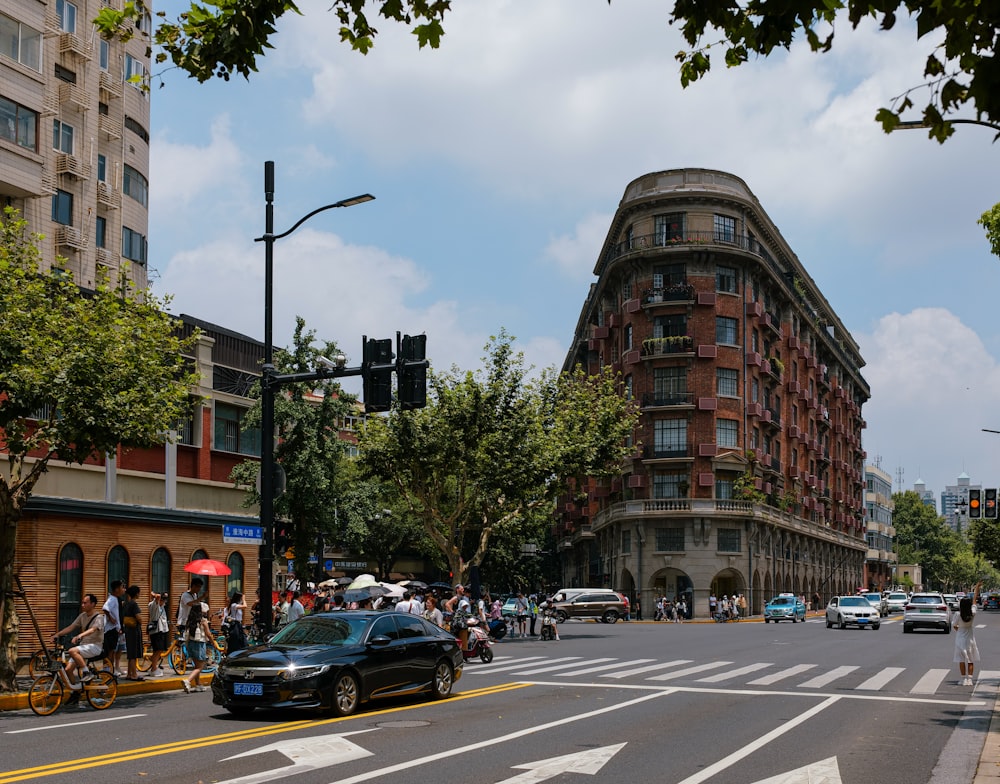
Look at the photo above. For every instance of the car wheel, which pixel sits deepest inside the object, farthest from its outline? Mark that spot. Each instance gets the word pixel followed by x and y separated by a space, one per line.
pixel 876 626
pixel 828 624
pixel 346 694
pixel 240 710
pixel 840 620
pixel 444 679
pixel 794 619
pixel 767 620
pixel 561 616
pixel 947 629
pixel 610 617
pixel 907 628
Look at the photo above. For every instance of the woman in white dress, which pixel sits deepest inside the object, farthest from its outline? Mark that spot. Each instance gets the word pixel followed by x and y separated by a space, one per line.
pixel 966 650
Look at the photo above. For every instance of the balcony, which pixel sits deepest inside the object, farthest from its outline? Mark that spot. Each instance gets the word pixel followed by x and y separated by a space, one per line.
pixel 772 416
pixel 674 344
pixel 668 400
pixel 667 452
pixel 112 85
pixel 665 241
pixel 70 43
pixel 675 292
pixel 111 127
pixel 108 196
pixel 70 237
pixel 73 95
pixel 71 165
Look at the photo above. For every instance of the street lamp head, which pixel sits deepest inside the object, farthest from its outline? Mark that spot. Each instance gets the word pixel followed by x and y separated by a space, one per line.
pixel 355 200
pixel 337 363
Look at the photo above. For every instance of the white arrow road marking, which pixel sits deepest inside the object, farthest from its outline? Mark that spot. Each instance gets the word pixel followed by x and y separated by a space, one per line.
pixel 589 762
pixel 822 772
pixel 305 754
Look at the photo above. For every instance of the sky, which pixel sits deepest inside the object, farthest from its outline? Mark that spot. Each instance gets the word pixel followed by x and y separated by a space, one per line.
pixel 498 160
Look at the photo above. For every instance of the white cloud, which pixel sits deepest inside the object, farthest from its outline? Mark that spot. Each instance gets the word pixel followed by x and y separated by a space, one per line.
pixel 575 254
pixel 182 173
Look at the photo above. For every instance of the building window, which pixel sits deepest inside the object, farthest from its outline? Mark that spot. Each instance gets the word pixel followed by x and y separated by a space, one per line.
pixel 668 485
pixel 726 380
pixel 725 330
pixel 724 489
pixel 729 540
pixel 64 74
pixel 66 12
pixel 669 227
pixel 234 582
pixel 669 386
pixel 185 427
pixel 669 275
pixel 160 582
pixel 629 395
pixel 726 432
pixel 20 43
pixel 754 390
pixel 70 583
pixel 102 168
pixel 230 433
pixel 18 124
pixel 62 137
pixel 118 565
pixel 135 73
pixel 725 279
pixel 670 438
pixel 628 337
pixel 101 232
pixel 136 128
pixel 104 54
pixel 670 539
pixel 725 228
pixel 135 185
pixel 626 541
pixel 670 326
pixel 133 245
pixel 62 208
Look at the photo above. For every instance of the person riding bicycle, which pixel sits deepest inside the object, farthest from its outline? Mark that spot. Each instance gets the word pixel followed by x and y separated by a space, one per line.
pixel 88 643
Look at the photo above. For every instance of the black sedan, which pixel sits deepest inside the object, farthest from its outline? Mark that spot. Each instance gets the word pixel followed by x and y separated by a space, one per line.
pixel 338 660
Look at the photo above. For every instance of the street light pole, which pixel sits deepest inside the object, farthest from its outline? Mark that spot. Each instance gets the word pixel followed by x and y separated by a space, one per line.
pixel 269 384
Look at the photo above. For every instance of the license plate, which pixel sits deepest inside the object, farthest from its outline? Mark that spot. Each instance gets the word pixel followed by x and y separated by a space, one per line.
pixel 248 689
pixel 926 611
pixel 862 620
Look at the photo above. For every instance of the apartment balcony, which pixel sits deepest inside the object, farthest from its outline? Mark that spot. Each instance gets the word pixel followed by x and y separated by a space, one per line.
pixel 73 166
pixel 667 452
pixel 675 292
pixel 773 321
pixel 772 417
pixel 665 242
pixel 73 95
pixel 111 84
pixel 674 344
pixel 71 43
pixel 105 257
pixel 108 196
pixel 582 533
pixel 111 127
pixel 669 400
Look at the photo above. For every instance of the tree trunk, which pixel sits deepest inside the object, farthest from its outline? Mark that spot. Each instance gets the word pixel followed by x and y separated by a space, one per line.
pixel 9 516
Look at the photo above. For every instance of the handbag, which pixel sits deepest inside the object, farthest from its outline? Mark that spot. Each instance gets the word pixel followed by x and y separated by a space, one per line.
pixel 152 627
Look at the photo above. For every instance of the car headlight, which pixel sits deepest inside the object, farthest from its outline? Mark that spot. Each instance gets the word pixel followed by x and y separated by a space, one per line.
pixel 295 673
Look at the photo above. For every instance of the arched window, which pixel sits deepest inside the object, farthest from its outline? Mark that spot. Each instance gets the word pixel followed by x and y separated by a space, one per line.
pixel 70 583
pixel 118 565
pixel 199 555
pixel 235 580
pixel 161 571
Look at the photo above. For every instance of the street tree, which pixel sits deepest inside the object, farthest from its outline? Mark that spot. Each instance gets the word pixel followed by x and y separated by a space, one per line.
pixel 309 418
pixel 990 220
pixel 923 538
pixel 81 373
pixel 984 534
pixel 494 446
pixel 961 70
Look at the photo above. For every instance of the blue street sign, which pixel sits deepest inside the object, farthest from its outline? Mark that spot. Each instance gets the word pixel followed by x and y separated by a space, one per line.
pixel 242 534
pixel 313 559
pixel 328 564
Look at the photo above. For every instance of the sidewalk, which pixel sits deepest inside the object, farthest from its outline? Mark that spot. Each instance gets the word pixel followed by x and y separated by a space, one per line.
pixel 172 682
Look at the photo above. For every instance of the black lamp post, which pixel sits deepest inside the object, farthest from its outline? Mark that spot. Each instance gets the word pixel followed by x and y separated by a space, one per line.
pixel 269 384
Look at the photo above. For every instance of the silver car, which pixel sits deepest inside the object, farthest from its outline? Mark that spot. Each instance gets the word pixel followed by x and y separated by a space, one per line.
pixel 897 601
pixel 878 601
pixel 847 611
pixel 927 610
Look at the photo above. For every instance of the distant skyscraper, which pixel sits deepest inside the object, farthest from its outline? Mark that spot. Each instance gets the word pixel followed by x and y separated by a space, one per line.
pixel 927 496
pixel 955 503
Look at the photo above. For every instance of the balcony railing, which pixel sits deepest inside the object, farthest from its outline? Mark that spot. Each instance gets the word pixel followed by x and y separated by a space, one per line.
pixel 671 239
pixel 675 292
pixel 653 452
pixel 668 399
pixel 675 344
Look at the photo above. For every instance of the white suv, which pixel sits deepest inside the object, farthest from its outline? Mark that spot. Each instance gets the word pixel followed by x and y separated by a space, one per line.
pixel 844 611
pixel 928 610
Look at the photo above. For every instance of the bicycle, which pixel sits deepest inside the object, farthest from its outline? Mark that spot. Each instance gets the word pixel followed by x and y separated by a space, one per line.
pixel 39 661
pixel 178 658
pixel 48 690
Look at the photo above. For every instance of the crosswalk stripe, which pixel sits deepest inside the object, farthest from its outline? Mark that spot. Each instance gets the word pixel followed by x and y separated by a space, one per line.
pixel 767 680
pixel 880 679
pixel 556 667
pixel 529 661
pixel 648 668
pixel 822 680
pixel 689 671
pixel 930 682
pixel 725 676
pixel 602 668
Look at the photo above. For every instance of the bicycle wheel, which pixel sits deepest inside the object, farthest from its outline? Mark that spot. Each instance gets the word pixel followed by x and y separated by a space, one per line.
pixel 213 657
pixel 46 693
pixel 143 663
pixel 38 663
pixel 178 658
pixel 102 690
pixel 222 643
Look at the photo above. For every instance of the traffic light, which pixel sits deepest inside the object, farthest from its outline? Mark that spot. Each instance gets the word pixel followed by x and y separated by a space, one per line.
pixel 412 372
pixel 376 374
pixel 975 510
pixel 284 539
pixel 990 502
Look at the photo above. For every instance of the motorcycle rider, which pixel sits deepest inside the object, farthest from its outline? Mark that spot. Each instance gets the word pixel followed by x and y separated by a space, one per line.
pixel 549 618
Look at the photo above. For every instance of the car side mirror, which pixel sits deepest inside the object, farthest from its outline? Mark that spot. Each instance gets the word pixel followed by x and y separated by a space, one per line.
pixel 379 641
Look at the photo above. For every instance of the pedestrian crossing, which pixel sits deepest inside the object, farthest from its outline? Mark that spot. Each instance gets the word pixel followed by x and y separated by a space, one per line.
pixel 803 676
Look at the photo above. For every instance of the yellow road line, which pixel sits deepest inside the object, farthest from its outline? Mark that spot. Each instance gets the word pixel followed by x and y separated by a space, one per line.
pixel 83 763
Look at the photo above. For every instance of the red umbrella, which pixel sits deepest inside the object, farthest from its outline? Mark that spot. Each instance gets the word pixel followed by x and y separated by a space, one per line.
pixel 208 567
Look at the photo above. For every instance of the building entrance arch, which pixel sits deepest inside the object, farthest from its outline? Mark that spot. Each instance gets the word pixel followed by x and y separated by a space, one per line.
pixel 728 582
pixel 674 585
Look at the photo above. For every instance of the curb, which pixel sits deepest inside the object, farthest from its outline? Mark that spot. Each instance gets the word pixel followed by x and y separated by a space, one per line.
pixel 19 700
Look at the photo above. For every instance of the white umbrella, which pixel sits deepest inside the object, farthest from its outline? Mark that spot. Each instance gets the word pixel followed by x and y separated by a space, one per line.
pixel 393 590
pixel 363 581
pixel 329 583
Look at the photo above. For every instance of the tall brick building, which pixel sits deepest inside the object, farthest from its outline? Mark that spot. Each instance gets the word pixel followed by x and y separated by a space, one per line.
pixel 747 476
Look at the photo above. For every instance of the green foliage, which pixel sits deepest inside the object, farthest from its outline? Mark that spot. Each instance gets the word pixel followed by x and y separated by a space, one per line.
pixel 923 538
pixel 307 418
pixel 80 374
pixel 224 37
pixel 961 71
pixel 990 220
pixel 745 489
pixel 493 448
pixel 985 536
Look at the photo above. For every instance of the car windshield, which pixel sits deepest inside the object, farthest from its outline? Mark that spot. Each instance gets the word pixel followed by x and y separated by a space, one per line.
pixel 926 600
pixel 874 598
pixel 898 596
pixel 782 600
pixel 853 601
pixel 322 630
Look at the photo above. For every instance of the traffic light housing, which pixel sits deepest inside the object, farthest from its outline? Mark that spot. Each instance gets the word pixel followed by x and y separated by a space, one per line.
pixel 376 374
pixel 284 540
pixel 412 372
pixel 990 502
pixel 975 507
